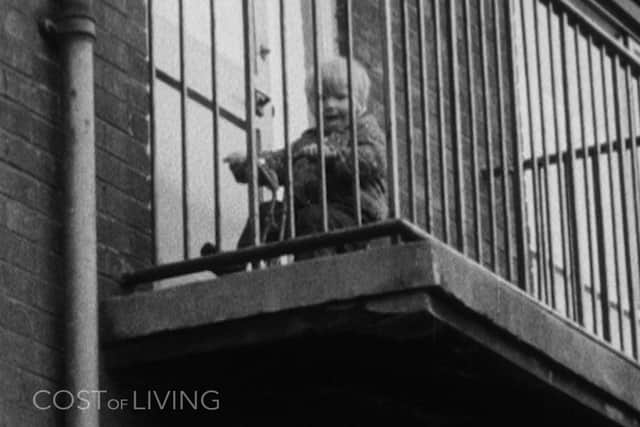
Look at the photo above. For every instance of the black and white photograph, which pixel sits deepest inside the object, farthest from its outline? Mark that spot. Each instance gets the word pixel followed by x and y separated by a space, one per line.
pixel 318 213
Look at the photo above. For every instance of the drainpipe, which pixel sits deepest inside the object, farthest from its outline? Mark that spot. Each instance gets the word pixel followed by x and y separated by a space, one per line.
pixel 74 29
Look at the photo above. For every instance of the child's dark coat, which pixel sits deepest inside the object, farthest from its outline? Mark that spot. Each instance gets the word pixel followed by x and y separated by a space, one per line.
pixel 339 174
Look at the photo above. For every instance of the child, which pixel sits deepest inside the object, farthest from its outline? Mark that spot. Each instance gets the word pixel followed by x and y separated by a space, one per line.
pixel 338 159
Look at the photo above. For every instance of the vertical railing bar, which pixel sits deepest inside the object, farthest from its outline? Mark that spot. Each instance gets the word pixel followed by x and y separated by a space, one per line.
pixel 611 177
pixel 547 267
pixel 319 114
pixel 633 313
pixel 352 116
pixel 424 89
pixel 413 214
pixel 503 148
pixel 599 214
pixel 457 133
pixel 633 295
pixel 560 165
pixel 488 134
pixel 546 216
pixel 289 196
pixel 523 257
pixel 390 111
pixel 583 127
pixel 216 132
pixel 540 240
pixel 441 124
pixel 564 159
pixel 474 137
pixel 544 264
pixel 152 124
pixel 573 225
pixel 612 193
pixel 250 102
pixel 183 131
pixel 616 64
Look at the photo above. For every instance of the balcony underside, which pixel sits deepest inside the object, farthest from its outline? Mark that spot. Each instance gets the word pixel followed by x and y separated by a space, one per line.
pixel 413 331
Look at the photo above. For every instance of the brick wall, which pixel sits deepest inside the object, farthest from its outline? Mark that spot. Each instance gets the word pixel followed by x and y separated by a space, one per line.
pixel 368 27
pixel 31 143
pixel 122 138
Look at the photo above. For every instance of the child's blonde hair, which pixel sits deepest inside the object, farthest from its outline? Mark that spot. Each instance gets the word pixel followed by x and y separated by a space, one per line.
pixel 335 78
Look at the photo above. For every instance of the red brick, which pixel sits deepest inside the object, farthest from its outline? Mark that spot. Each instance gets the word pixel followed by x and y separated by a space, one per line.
pixel 112 50
pixel 14 118
pixel 139 66
pixel 30 356
pixel 32 225
pixel 25 414
pixel 15 24
pixel 139 125
pixel 16 250
pixel 124 239
pixel 112 110
pixel 117 22
pixel 47 73
pixel 28 289
pixel 121 85
pixel 28 191
pixel 29 322
pixel 111 79
pixel 138 96
pixel 121 5
pixel 137 11
pixel 49 266
pixel 123 177
pixel 46 103
pixel 15 54
pixel 123 146
pixel 29 159
pixel 18 385
pixel 17 87
pixel 46 136
pixel 119 205
pixel 114 264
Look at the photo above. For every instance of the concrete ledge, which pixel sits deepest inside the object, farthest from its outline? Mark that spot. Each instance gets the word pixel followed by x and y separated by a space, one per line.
pixel 242 295
pixel 425 278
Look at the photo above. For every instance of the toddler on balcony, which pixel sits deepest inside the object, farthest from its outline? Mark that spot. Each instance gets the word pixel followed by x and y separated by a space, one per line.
pixel 338 158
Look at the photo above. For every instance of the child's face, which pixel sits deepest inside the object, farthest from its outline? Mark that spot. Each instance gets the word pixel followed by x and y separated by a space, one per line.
pixel 335 109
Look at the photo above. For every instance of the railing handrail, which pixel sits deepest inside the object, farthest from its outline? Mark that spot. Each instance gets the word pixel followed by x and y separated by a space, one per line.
pixel 387 228
pixel 602 148
pixel 610 42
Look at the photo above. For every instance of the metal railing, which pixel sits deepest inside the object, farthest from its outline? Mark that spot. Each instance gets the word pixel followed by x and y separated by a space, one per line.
pixel 512 136
pixel 581 169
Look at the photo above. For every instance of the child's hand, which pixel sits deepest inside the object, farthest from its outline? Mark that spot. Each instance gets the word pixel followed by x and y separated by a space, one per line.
pixel 237 164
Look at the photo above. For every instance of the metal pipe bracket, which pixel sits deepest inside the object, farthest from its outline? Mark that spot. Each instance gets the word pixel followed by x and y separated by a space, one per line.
pixel 75 19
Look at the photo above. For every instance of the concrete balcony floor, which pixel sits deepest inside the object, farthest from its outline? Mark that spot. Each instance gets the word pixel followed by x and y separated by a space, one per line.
pixel 409 334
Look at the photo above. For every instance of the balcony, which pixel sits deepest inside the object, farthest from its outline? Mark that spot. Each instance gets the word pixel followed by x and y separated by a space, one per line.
pixel 505 278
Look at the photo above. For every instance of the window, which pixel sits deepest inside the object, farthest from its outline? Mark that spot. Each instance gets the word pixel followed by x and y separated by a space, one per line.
pixel 196 199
